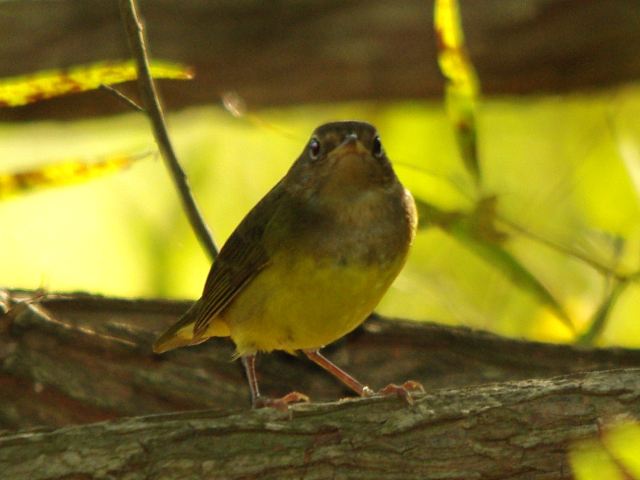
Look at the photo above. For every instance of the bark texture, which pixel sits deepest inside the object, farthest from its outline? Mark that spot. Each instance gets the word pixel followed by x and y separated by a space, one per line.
pixel 289 52
pixel 516 430
pixel 83 359
pixel 494 408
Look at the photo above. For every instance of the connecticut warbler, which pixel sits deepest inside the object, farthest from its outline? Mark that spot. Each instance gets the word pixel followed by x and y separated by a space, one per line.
pixel 310 261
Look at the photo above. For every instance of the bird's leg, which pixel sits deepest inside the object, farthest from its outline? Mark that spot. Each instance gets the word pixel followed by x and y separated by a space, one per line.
pixel 257 400
pixel 403 391
pixel 249 363
pixel 316 357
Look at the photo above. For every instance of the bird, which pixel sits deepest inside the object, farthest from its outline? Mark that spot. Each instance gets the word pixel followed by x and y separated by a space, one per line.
pixel 310 261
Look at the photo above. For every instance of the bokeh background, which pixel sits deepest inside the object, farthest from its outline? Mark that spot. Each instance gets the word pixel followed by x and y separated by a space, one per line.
pixel 563 168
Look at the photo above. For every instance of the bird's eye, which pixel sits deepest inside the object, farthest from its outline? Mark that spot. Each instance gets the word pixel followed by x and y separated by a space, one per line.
pixel 376 148
pixel 314 148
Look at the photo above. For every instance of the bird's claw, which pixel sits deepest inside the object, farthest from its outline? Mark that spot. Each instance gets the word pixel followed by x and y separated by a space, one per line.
pixel 403 391
pixel 282 403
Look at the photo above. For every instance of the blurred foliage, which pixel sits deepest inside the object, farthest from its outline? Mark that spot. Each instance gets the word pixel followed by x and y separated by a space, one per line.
pixel 34 87
pixel 64 172
pixel 560 199
pixel 614 454
pixel 462 88
pixel 476 229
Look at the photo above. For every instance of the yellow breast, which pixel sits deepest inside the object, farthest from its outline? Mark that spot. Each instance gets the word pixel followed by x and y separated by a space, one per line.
pixel 305 304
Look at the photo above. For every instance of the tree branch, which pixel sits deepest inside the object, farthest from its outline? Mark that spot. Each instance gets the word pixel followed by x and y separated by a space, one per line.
pixel 153 108
pixel 516 430
pixel 80 359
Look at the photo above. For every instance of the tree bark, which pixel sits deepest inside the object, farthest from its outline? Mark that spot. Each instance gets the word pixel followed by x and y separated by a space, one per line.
pixel 494 408
pixel 289 52
pixel 81 358
pixel 516 430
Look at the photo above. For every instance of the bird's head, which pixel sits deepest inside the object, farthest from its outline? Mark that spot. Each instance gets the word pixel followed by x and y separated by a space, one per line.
pixel 341 159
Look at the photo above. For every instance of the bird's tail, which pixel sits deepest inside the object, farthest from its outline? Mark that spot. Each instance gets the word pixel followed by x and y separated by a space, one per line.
pixel 179 334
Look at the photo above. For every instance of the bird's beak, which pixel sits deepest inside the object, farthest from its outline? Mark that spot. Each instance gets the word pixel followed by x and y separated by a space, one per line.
pixel 351 167
pixel 350 145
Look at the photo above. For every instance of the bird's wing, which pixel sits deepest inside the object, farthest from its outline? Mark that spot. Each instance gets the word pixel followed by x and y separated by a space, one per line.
pixel 240 260
pixel 228 277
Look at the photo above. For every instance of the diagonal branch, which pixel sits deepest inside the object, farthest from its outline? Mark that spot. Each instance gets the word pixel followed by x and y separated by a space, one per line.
pixel 135 35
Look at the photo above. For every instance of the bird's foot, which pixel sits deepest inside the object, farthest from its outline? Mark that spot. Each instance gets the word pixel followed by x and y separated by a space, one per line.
pixel 403 391
pixel 281 403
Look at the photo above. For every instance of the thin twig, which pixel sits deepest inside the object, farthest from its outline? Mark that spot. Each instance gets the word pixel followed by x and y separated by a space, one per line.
pixel 121 96
pixel 592 262
pixel 149 96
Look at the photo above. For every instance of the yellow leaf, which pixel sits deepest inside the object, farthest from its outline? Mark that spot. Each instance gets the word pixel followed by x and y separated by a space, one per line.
pixel 63 172
pixel 612 455
pixel 452 54
pixel 24 89
pixel 462 83
pixel 590 461
pixel 623 442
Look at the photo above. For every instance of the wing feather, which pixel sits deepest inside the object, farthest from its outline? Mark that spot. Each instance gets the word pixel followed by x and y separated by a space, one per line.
pixel 242 257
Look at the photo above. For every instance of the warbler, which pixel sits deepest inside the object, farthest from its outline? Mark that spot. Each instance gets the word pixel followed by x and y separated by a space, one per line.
pixel 310 261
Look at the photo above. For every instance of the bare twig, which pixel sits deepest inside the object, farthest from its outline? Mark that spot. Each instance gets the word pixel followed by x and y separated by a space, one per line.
pixel 151 103
pixel 592 262
pixel 122 97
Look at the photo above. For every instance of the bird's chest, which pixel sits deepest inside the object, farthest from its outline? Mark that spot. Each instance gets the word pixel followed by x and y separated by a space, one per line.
pixel 307 304
pixel 328 269
pixel 370 231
